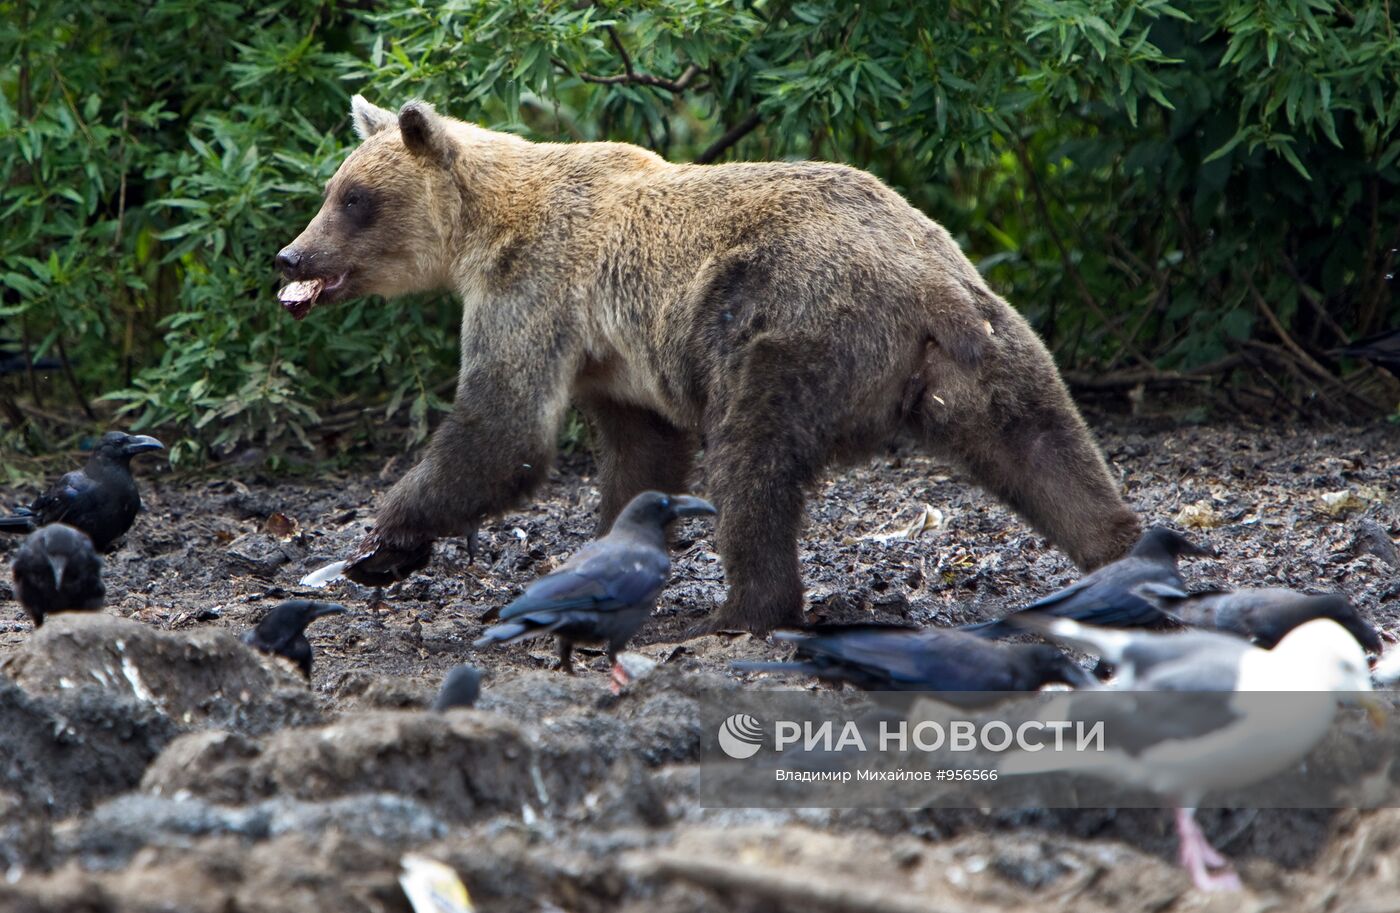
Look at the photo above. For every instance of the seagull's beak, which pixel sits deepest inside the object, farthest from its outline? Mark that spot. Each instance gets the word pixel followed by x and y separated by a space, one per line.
pixel 1377 711
pixel 687 506
pixel 57 564
pixel 140 444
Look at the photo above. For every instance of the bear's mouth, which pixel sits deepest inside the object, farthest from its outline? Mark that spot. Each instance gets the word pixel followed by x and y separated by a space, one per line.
pixel 301 296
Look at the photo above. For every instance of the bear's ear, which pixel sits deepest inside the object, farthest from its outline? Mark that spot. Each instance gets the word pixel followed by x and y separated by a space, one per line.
pixel 369 119
pixel 424 133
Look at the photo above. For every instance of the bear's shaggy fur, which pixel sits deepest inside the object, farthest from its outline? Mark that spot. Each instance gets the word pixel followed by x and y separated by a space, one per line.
pixel 787 315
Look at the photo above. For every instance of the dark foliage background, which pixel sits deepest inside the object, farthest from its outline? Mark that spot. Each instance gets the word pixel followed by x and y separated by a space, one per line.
pixel 1200 195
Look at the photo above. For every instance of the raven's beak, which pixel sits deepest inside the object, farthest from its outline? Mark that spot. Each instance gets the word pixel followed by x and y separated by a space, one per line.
pixel 686 506
pixel 57 564
pixel 323 609
pixel 140 444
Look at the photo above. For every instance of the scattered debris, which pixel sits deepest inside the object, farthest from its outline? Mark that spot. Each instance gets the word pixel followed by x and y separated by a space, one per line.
pixel 191 773
pixel 1200 515
pixel 324 576
pixel 433 887
pixel 928 520
pixel 280 525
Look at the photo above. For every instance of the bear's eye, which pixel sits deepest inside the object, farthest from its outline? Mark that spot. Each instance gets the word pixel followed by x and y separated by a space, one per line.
pixel 358 207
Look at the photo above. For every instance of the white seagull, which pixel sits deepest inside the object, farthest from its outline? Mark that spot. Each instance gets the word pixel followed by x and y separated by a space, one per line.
pixel 1317 663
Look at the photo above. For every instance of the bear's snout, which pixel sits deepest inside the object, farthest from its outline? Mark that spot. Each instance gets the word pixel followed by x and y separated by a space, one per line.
pixel 289 261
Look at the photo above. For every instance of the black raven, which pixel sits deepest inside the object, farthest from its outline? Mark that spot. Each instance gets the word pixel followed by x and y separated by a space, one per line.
pixel 100 499
pixel 283 630
pixel 57 570
pixel 1110 596
pixel 951 662
pixel 607 590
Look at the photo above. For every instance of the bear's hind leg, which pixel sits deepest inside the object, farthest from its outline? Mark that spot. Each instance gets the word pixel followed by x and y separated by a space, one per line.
pixel 638 450
pixel 1046 467
pixel 761 457
pixel 760 505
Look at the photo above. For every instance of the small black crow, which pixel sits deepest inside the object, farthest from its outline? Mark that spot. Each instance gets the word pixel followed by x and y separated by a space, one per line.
pixel 1110 597
pixel 283 630
pixel 952 662
pixel 1262 615
pixel 100 499
pixel 607 590
pixel 57 570
pixel 459 689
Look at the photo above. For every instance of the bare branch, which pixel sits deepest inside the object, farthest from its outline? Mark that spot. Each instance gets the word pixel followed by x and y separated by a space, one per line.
pixel 629 74
pixel 678 84
pixel 735 133
pixel 621 52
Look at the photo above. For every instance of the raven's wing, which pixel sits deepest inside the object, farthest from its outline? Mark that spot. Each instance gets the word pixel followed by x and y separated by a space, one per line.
pixel 905 659
pixel 1045 603
pixel 62 497
pixel 604 577
pixel 1109 597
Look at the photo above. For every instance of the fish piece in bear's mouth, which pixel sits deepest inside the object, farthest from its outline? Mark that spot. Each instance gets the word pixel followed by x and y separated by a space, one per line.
pixel 300 297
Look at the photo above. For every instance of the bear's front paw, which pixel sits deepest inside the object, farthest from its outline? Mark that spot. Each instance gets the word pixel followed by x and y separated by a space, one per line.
pixel 755 616
pixel 378 563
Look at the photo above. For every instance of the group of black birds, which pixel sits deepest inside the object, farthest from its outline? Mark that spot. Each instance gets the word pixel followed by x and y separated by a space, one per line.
pixel 1144 589
pixel 86 513
pixel 606 591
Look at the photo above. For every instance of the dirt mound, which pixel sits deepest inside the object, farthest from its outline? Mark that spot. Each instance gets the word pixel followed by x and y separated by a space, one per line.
pixel 464 764
pixel 196 679
pixel 90 700
pixel 111 836
pixel 62 753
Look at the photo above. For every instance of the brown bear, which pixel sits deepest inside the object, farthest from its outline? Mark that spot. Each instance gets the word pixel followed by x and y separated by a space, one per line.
pixel 789 314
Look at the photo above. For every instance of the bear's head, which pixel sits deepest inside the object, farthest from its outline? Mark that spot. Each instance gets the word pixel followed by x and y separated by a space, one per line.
pixel 388 216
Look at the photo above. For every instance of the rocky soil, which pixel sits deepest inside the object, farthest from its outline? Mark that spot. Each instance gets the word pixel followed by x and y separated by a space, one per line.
pixel 151 762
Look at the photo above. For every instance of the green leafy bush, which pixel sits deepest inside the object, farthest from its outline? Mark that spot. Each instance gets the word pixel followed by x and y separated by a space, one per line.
pixel 1198 187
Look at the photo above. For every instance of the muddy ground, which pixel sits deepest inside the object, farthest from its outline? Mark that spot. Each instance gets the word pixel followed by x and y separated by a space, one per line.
pixel 152 763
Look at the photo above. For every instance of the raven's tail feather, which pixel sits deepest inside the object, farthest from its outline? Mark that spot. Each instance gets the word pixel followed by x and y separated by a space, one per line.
pixel 17 523
pixel 512 631
pixel 991 630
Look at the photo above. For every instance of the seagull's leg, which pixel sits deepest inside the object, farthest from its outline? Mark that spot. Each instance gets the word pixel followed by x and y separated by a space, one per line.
pixel 619 675
pixel 566 657
pixel 1199 857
